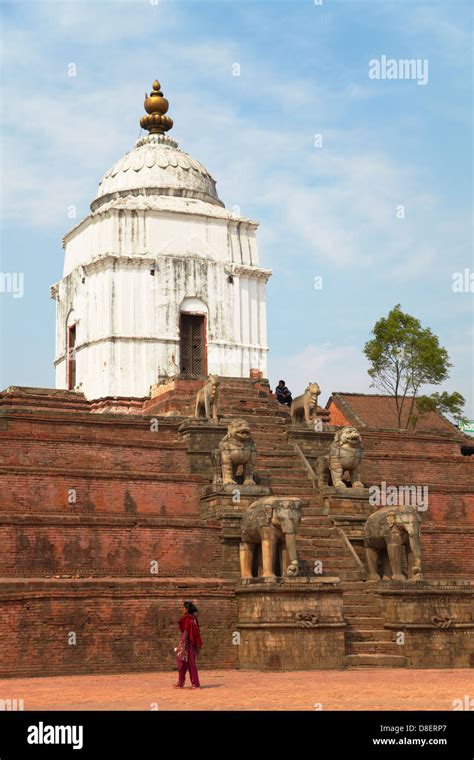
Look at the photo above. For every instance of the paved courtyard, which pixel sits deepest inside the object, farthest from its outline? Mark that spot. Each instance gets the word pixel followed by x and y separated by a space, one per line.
pixel 381 689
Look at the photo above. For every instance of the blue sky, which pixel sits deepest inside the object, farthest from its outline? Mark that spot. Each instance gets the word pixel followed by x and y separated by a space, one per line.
pixel 327 211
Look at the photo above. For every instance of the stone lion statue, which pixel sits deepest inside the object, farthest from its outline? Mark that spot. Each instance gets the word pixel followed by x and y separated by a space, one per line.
pixel 207 399
pixel 235 455
pixel 304 407
pixel 345 455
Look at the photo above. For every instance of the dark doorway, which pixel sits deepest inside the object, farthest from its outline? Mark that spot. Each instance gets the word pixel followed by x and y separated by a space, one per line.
pixel 71 357
pixel 192 349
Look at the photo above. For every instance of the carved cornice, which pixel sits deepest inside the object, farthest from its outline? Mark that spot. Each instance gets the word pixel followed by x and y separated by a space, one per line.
pixel 243 270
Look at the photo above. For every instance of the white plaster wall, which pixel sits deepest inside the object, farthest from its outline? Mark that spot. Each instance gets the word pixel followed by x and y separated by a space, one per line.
pixel 127 334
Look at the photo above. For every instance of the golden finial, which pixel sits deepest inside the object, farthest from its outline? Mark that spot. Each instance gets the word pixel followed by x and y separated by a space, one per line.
pixel 156 106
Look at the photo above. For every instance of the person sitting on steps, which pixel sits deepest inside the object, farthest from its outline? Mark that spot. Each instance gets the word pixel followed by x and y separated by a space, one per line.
pixel 283 394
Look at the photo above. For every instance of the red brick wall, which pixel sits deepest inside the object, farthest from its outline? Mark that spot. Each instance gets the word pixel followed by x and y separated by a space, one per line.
pixel 457 471
pixel 117 630
pixel 136 501
pixel 109 550
pixel 447 552
pixel 120 495
pixel 392 443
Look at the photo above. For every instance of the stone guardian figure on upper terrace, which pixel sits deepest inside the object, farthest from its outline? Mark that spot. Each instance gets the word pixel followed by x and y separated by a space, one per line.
pixel 236 455
pixel 345 455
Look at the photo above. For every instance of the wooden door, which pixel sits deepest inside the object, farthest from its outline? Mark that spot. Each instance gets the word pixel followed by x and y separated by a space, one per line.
pixel 193 358
pixel 71 357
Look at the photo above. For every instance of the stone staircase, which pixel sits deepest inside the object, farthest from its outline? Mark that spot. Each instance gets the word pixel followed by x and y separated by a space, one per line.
pixel 280 467
pixel 368 644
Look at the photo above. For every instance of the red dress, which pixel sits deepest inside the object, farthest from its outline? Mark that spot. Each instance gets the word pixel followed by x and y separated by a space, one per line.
pixel 189 647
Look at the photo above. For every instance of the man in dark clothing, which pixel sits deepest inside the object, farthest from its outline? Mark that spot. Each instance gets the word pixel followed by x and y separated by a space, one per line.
pixel 283 394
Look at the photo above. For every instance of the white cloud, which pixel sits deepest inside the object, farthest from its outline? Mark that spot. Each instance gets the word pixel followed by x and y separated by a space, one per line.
pixel 334 368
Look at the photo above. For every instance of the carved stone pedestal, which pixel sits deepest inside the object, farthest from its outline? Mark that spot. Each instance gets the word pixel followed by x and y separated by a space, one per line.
pixel 436 619
pixel 202 438
pixel 218 500
pixel 342 503
pixel 293 624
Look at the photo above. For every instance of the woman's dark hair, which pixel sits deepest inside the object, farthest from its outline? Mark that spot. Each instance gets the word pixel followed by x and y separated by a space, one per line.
pixel 190 607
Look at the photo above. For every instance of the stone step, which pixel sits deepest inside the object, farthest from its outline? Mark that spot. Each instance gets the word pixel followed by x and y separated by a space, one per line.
pixel 315 552
pixel 277 440
pixel 325 552
pixel 359 597
pixel 318 531
pixel 346 561
pixel 281 490
pixel 349 588
pixel 235 401
pixel 337 564
pixel 356 610
pixel 318 538
pixel 348 575
pixel 371 647
pixel 363 621
pixel 249 409
pixel 279 474
pixel 302 486
pixel 298 479
pixel 312 532
pixel 310 544
pixel 354 633
pixel 374 660
pixel 274 463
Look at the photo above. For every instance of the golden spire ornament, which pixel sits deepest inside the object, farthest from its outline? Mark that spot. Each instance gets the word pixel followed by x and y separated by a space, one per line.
pixel 156 107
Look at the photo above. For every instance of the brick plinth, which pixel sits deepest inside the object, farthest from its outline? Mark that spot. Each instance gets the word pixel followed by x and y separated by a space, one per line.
pixel 436 619
pixel 294 624
pixel 96 492
pixel 117 625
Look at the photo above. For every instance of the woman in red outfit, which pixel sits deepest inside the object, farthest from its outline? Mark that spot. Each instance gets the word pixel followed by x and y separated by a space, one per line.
pixel 189 646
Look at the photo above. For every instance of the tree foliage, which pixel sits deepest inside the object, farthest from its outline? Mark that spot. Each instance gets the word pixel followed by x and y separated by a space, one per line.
pixel 451 404
pixel 404 356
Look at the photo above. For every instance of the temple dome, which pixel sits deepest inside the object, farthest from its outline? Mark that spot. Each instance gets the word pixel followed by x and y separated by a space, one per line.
pixel 157 166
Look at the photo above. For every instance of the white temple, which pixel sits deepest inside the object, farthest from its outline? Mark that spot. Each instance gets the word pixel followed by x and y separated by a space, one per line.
pixel 160 279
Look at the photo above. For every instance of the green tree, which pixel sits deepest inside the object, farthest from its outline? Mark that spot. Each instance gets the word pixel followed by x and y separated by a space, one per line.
pixel 451 404
pixel 404 356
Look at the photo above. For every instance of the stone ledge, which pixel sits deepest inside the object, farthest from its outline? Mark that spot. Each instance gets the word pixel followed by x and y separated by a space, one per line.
pixel 81 417
pixel 427 626
pixel 70 473
pixel 292 624
pixel 420 588
pixel 16 589
pixel 105 519
pixel 289 585
pixel 218 490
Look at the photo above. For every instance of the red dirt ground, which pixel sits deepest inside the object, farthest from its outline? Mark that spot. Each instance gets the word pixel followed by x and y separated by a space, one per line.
pixel 381 689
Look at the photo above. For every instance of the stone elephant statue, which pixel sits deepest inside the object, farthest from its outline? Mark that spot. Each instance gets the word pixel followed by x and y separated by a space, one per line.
pixel 271 521
pixel 389 533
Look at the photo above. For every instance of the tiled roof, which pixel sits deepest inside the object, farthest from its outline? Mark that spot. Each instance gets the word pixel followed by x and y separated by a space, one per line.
pixel 373 410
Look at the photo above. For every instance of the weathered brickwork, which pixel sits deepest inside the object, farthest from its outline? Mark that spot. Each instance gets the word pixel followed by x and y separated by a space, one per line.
pixel 104 533
pixel 108 626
